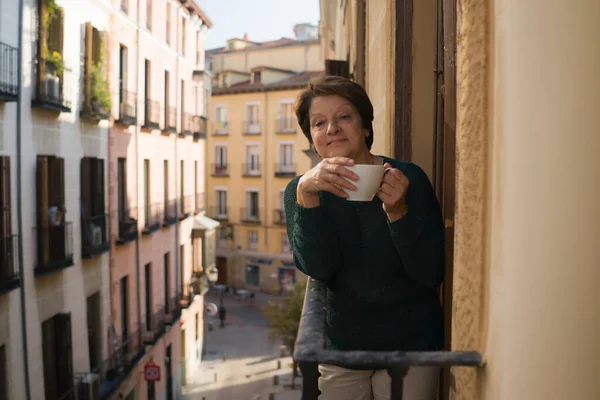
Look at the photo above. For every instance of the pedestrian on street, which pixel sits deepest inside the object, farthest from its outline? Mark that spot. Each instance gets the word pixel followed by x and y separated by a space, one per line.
pixel 222 314
pixel 382 260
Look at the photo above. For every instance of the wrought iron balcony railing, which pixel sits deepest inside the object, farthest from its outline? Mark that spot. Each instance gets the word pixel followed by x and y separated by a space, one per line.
pixel 251 170
pixel 285 170
pixel 309 350
pixel 128 225
pixel 279 216
pixel 170 213
pixel 199 127
pixel 94 236
pixel 186 206
pixel 220 128
pixel 54 248
pixel 251 128
pixel 250 215
pixel 220 213
pixel 285 126
pixel 54 87
pixel 173 309
pixel 9 263
pixel 127 113
pixel 156 328
pixel 186 124
pixel 153 218
pixel 220 170
pixel 151 114
pixel 9 69
pixel 170 119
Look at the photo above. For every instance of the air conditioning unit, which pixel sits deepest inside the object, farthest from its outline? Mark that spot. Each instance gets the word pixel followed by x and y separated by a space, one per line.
pixel 51 86
pixel 96 235
pixel 88 387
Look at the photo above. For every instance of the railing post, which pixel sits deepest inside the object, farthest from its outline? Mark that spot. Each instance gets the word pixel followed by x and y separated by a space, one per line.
pixel 310 380
pixel 397 374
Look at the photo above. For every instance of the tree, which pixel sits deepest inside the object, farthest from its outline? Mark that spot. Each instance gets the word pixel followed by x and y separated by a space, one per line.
pixel 284 317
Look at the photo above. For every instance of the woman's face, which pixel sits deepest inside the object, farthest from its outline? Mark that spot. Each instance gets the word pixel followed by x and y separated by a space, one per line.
pixel 336 128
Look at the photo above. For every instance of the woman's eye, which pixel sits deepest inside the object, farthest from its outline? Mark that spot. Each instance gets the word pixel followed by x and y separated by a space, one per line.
pixel 345 116
pixel 319 123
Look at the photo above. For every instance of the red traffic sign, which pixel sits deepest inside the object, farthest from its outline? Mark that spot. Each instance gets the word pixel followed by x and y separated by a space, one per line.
pixel 151 372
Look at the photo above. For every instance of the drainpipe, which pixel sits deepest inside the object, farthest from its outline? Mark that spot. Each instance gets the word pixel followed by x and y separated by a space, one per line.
pixel 266 180
pixel 20 206
pixel 137 163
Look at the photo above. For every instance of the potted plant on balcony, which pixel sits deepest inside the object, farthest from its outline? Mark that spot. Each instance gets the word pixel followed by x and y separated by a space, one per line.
pixel 100 102
pixel 54 63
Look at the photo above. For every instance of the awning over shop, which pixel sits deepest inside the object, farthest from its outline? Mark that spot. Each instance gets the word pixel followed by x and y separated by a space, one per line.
pixel 203 223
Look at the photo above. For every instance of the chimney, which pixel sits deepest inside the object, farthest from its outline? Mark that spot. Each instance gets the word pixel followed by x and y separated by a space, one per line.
pixel 245 36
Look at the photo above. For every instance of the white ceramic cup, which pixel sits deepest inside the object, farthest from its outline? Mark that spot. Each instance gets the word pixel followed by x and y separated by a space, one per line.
pixel 369 181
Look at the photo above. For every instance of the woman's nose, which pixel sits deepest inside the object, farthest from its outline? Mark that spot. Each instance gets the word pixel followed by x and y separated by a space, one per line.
pixel 332 127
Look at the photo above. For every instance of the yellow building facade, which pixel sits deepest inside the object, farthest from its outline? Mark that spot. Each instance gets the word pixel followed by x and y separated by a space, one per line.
pixel 255 147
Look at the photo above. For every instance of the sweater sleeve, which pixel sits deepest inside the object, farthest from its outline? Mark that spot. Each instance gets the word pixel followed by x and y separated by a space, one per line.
pixel 419 235
pixel 314 244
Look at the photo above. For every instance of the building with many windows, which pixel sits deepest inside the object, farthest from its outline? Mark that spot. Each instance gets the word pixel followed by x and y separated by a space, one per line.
pixel 254 149
pixel 105 250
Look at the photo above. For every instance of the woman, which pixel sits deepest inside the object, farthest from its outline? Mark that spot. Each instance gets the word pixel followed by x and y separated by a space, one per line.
pixel 382 260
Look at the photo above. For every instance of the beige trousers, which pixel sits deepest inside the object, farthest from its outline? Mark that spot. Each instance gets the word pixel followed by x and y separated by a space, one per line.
pixel 338 383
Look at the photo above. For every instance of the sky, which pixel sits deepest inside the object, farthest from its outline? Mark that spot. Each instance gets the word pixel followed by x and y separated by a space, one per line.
pixel 261 19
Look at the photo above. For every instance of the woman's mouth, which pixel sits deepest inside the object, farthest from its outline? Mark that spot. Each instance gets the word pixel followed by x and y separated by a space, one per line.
pixel 336 142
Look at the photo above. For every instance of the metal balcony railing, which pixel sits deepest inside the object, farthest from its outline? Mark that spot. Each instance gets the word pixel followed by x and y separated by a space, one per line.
pixel 199 127
pixel 173 309
pixel 128 225
pixel 127 114
pixel 220 213
pixel 186 206
pixel 279 216
pixel 220 169
pixel 250 215
pixel 309 350
pixel 151 114
pixel 186 123
pixel 285 170
pixel 153 218
pixel 251 169
pixel 199 202
pixel 170 213
pixel 54 88
pixel 170 119
pixel 220 128
pixel 130 351
pixel 157 326
pixel 94 235
pixel 9 263
pixel 8 72
pixel 251 127
pixel 54 248
pixel 285 125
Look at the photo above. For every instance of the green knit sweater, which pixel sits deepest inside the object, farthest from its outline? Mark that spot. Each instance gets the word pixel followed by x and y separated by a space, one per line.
pixel 382 277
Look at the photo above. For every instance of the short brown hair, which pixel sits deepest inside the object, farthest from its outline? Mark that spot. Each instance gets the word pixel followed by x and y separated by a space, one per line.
pixel 329 85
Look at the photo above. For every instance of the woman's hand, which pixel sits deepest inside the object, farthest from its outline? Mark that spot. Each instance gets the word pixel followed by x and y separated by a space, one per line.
pixel 393 193
pixel 327 176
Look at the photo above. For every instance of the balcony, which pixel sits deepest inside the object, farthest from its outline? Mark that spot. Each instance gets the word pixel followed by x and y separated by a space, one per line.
pixel 127 114
pixel 251 170
pixel 250 215
pixel 153 218
pixel 199 127
pixel 173 310
pixel 279 216
pixel 53 87
pixel 54 248
pixel 309 350
pixel 219 213
pixel 251 128
pixel 187 123
pixel 285 126
pixel 170 213
pixel 94 238
pixel 9 70
pixel 9 263
pixel 151 114
pixel 186 206
pixel 199 202
pixel 128 225
pixel 220 128
pixel 220 170
pixel 157 327
pixel 130 352
pixel 285 170
pixel 170 120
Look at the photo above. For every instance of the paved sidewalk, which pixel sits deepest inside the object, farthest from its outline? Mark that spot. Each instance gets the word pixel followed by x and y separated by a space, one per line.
pixel 241 357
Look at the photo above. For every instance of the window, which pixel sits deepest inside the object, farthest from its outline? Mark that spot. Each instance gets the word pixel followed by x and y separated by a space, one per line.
pixel 221 124
pixel 93 219
pixel 221 200
pixel 167 281
pixel 252 124
pixel 168 31
pixel 183 122
pixel 148 293
pixel 220 159
pixel 196 327
pixel 165 185
pixel 222 240
pixel 252 206
pixel 168 118
pixel 285 243
pixel 286 157
pixel 256 75
pixel 151 391
pixel 94 328
pixel 183 32
pixel 197 254
pixel 286 122
pixel 7 265
pixel 57 356
pixel 252 275
pixel 124 285
pixel 252 160
pixel 3 374
pixel 225 80
pixel 182 205
pixel 253 240
pixel 122 188
pixel 198 48
pixel 94 40
pixel 149 14
pixel 182 269
pixel 147 192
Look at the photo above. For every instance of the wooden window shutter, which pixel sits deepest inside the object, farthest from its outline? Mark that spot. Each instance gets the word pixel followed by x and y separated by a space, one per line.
pixel 43 200
pixel 60 172
pixel 86 191
pixel 98 187
pixel 337 67
pixel 49 357
pixel 6 220
pixel 88 63
pixel 56 31
pixel 96 46
pixel 64 350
